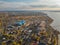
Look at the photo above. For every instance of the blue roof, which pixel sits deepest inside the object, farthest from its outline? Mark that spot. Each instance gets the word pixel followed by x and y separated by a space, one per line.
pixel 21 22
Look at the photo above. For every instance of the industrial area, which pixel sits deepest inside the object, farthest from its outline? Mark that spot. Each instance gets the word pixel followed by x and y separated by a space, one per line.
pixel 27 28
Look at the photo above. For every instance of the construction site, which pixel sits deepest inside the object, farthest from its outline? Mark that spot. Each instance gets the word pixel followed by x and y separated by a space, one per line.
pixel 27 28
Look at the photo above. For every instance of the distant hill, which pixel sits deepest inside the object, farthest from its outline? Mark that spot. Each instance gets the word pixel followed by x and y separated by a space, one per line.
pixel 23 13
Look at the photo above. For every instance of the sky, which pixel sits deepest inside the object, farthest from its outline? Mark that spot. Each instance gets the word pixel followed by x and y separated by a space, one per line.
pixel 29 4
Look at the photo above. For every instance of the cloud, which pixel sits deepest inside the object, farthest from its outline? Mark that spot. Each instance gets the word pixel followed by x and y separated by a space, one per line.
pixel 39 4
pixel 13 5
pixel 19 0
pixel 45 6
